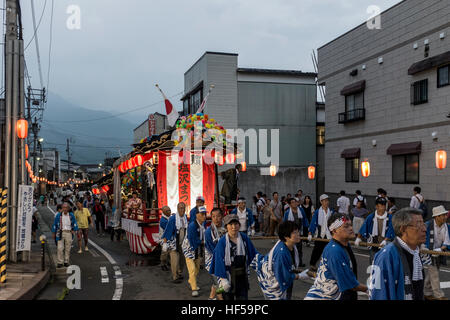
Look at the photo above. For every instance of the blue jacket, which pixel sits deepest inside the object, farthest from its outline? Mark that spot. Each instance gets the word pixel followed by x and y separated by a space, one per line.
pixel 315 221
pixel 430 227
pixel 389 279
pixel 163 222
pixel 171 230
pixel 193 235
pixel 250 219
pixel 56 224
pixel 304 220
pixel 218 267
pixel 366 228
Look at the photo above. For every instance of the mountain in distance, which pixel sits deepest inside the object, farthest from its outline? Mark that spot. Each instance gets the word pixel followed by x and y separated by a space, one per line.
pixel 90 141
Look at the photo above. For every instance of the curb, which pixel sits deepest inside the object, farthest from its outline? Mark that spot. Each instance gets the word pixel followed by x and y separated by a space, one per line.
pixel 31 291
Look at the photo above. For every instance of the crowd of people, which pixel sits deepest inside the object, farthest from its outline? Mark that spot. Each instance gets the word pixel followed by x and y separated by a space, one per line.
pixel 226 250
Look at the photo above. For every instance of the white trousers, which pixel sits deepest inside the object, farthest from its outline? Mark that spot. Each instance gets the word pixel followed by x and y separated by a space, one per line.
pixel 64 246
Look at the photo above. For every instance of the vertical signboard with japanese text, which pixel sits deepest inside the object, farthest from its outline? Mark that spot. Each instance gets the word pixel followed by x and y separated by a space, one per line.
pixel 151 125
pixel 24 217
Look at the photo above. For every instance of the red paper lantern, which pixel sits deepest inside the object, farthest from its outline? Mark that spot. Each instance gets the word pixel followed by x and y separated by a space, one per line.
pixel 365 169
pixel 273 170
pixel 139 160
pixel 22 128
pixel 130 164
pixel 105 189
pixel 244 166
pixel 26 151
pixel 441 159
pixel 230 158
pixel 311 172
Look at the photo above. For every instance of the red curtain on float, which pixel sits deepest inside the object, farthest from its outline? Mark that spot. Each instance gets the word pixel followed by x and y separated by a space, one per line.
pixel 182 181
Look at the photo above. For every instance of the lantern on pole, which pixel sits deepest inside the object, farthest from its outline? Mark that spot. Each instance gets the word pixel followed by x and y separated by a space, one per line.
pixel 273 170
pixel 311 172
pixel 105 189
pixel 244 166
pixel 441 159
pixel 230 157
pixel 365 168
pixel 26 151
pixel 22 128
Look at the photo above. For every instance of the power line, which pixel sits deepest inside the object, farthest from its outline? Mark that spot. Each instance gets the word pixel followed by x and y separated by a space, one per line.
pixel 65 131
pixel 35 30
pixel 50 46
pixel 118 114
pixel 87 146
pixel 37 44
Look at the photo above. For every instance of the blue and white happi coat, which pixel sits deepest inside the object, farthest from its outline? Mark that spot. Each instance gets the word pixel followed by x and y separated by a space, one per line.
pixel 275 271
pixel 194 238
pixel 171 231
pixel 218 267
pixel 430 241
pixel 367 227
pixel 162 226
pixel 212 236
pixel 334 275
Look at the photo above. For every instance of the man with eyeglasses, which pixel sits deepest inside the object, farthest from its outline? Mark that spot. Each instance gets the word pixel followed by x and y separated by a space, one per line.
pixel 397 270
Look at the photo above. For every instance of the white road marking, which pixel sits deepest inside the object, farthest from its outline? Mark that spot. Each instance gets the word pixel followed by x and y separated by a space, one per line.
pixel 104 273
pixel 445 285
pixel 119 281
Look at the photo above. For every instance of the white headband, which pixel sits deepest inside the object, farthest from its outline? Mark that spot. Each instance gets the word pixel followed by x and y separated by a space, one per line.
pixel 338 223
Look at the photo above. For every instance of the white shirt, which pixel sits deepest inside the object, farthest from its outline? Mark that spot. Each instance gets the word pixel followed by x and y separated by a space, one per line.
pixel 66 224
pixel 415 203
pixel 441 236
pixel 343 203
pixel 242 215
pixel 359 198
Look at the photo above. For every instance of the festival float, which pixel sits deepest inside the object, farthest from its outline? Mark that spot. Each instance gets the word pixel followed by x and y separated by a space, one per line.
pixel 164 172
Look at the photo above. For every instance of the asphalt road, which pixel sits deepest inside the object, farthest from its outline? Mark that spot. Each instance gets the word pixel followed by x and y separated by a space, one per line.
pixel 109 270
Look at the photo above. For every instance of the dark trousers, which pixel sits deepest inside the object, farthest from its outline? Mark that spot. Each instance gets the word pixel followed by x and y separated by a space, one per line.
pixel 300 252
pixel 100 221
pixel 240 294
pixel 317 252
pixel 289 292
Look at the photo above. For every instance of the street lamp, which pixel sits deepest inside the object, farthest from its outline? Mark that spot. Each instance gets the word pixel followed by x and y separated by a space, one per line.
pixel 41 140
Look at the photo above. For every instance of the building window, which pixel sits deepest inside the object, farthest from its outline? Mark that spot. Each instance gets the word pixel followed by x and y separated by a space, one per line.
pixel 320 130
pixel 195 101
pixel 405 169
pixel 354 108
pixel 443 75
pixel 419 92
pixel 186 107
pixel 352 170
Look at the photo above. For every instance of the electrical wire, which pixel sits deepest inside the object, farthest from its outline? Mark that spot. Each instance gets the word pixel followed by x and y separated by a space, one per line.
pixel 50 48
pixel 87 146
pixel 35 30
pixel 118 114
pixel 65 131
pixel 37 44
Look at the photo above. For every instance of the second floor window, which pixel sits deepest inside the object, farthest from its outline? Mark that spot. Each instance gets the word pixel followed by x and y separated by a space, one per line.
pixel 352 170
pixel 419 92
pixel 354 101
pixel 443 74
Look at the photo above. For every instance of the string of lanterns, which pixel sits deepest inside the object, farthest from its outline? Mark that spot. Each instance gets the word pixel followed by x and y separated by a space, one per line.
pixel 35 179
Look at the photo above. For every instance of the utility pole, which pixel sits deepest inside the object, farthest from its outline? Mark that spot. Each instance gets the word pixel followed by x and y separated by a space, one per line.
pixel 68 158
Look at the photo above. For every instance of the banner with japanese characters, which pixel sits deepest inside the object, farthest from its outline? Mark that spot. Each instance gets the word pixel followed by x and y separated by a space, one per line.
pixel 24 218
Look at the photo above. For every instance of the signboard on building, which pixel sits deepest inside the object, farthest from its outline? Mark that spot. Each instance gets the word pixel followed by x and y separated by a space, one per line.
pixel 24 217
pixel 151 125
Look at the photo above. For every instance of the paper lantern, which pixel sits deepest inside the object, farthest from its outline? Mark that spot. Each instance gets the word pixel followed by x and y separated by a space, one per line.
pixel 139 160
pixel 130 164
pixel 22 128
pixel 273 170
pixel 219 159
pixel 230 158
pixel 244 166
pixel 441 159
pixel 311 172
pixel 26 151
pixel 105 189
pixel 365 169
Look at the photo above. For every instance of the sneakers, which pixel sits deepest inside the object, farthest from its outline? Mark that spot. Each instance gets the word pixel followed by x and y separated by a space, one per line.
pixel 86 249
pixel 195 293
pixel 164 267
pixel 431 298
pixel 212 298
pixel 80 251
pixel 66 264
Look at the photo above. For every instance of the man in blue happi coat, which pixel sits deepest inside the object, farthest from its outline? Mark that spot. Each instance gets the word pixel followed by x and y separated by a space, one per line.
pixel 297 215
pixel 199 202
pixel 397 270
pixel 162 226
pixel 337 275
pixel 231 260
pixel 377 228
pixel 245 215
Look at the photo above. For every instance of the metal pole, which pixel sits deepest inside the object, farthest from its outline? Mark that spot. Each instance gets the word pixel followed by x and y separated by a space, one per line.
pixel 8 104
pixel 3 234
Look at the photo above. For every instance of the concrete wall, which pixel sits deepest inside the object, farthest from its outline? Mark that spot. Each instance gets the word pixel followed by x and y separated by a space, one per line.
pixel 390 117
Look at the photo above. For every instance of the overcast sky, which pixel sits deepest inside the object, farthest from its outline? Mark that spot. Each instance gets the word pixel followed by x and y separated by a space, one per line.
pixel 124 47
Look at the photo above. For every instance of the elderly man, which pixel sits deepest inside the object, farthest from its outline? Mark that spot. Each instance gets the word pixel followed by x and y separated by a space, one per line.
pixel 199 202
pixel 377 228
pixel 166 212
pixel 337 274
pixel 193 248
pixel 319 222
pixel 397 271
pixel 437 240
pixel 173 238
pixel 212 236
pixel 245 215
pixel 64 227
